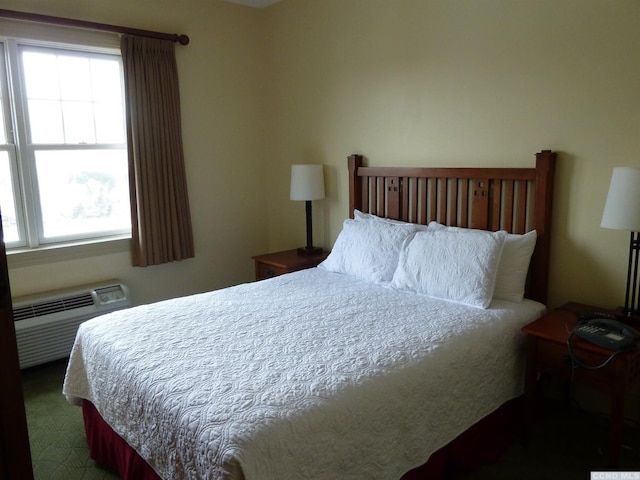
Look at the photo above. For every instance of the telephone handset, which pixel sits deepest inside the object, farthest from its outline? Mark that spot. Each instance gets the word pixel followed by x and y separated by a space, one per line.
pixel 604 330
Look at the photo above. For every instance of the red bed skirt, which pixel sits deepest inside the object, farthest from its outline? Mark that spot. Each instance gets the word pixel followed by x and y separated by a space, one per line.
pixel 481 444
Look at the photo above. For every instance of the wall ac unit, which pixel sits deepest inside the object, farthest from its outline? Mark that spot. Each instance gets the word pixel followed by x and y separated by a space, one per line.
pixel 46 323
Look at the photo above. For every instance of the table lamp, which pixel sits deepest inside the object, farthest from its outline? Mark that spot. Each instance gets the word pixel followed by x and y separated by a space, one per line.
pixel 307 183
pixel 622 212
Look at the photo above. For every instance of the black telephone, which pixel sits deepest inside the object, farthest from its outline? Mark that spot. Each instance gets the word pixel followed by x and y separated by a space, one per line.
pixel 604 330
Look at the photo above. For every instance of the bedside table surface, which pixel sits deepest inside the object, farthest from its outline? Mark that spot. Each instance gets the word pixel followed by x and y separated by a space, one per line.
pixel 278 263
pixel 291 259
pixel 556 326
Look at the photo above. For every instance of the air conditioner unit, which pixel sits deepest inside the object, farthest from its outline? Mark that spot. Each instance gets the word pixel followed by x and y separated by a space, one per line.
pixel 46 323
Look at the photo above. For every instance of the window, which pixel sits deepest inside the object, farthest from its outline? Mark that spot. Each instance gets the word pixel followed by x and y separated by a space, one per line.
pixel 63 153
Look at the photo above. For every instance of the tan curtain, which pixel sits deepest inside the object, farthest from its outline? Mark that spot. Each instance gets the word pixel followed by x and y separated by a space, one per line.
pixel 160 217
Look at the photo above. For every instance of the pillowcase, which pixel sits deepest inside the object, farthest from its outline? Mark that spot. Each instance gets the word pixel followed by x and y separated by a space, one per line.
pixel 358 215
pixel 514 266
pixel 514 263
pixel 368 250
pixel 451 265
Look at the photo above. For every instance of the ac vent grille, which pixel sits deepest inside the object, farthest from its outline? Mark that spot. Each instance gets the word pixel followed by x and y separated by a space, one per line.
pixel 46 323
pixel 53 306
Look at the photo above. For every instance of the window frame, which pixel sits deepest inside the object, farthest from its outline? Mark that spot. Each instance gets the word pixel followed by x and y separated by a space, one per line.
pixel 34 248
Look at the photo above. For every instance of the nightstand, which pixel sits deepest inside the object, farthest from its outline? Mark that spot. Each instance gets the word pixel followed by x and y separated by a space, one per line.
pixel 274 264
pixel 547 353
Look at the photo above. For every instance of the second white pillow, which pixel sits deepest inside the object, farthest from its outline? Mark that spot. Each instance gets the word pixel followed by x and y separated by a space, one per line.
pixel 451 265
pixel 514 262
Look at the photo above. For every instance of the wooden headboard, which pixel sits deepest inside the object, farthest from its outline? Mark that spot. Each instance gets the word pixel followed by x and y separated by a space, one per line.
pixel 517 200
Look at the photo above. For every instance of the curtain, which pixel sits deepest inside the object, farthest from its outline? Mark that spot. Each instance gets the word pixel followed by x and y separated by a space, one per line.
pixel 160 217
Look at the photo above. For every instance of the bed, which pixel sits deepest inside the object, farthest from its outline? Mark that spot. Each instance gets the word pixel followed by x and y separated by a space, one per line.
pixel 369 366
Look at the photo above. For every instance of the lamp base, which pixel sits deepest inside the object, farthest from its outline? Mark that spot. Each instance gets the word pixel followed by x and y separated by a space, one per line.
pixel 628 316
pixel 309 250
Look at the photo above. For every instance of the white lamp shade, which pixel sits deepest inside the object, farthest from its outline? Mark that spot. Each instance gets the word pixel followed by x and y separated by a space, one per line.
pixel 307 182
pixel 622 209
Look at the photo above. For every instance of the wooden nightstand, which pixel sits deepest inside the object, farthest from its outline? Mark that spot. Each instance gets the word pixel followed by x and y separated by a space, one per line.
pixel 274 264
pixel 547 353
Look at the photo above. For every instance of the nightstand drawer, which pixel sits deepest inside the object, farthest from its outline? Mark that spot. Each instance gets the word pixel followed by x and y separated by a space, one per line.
pixel 267 271
pixel 554 358
pixel 278 263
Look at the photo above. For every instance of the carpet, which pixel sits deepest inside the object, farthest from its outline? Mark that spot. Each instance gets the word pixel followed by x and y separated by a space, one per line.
pixel 56 430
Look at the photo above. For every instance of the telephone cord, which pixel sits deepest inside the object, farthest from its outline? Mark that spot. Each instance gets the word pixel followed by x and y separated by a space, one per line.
pixel 575 361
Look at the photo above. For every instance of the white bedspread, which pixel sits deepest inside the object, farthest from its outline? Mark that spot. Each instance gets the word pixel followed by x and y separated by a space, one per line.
pixel 311 375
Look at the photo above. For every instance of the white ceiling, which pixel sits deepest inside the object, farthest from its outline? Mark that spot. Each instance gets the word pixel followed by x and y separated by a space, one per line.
pixel 254 3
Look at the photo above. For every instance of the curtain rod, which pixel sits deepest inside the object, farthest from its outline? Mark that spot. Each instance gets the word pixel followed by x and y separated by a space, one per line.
pixel 69 22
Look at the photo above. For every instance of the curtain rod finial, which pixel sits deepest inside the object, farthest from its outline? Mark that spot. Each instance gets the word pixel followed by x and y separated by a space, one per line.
pixel 183 39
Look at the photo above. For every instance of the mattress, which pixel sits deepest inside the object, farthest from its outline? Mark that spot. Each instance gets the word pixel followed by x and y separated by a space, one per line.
pixel 312 374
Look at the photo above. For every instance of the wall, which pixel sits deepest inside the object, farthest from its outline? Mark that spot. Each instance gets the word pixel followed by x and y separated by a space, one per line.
pixel 462 83
pixel 407 82
pixel 223 130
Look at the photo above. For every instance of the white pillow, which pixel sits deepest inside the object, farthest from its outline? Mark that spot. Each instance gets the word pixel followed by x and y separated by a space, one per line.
pixel 368 250
pixel 358 215
pixel 514 263
pixel 451 265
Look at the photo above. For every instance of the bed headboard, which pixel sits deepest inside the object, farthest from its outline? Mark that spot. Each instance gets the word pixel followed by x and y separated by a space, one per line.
pixel 517 200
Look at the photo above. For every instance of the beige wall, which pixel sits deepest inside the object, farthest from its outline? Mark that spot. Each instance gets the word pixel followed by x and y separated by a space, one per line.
pixel 405 82
pixel 462 82
pixel 223 130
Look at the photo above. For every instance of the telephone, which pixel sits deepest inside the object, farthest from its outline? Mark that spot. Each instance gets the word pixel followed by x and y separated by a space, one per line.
pixel 605 331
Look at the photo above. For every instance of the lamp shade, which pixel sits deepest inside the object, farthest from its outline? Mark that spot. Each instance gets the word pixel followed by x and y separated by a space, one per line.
pixel 307 182
pixel 622 209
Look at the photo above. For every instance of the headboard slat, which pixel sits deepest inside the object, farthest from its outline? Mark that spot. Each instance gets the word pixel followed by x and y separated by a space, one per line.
pixel 522 208
pixel 433 189
pixel 393 198
pixel 509 186
pixel 464 203
pixel 413 200
pixel 442 199
pixel 480 204
pixel 453 201
pixel 423 203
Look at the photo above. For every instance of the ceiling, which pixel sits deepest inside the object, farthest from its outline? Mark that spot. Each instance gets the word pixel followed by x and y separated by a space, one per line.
pixel 254 3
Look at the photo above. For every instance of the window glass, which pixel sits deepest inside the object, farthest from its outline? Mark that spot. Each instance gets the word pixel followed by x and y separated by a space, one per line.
pixel 108 123
pixel 77 119
pixel 46 121
pixel 75 78
pixel 72 98
pixel 83 192
pixel 9 215
pixel 3 125
pixel 41 76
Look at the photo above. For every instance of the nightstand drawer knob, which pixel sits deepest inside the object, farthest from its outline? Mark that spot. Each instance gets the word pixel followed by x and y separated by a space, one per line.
pixel 271 272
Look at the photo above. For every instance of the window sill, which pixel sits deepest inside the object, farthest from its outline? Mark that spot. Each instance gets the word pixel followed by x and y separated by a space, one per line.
pixel 28 257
